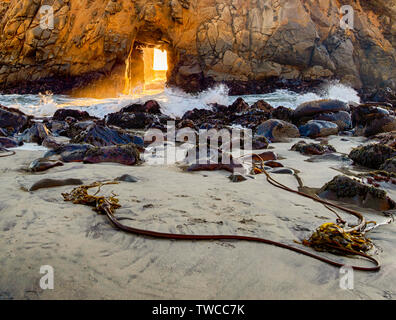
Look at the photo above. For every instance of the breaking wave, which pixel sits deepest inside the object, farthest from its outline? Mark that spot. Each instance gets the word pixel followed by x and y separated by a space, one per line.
pixel 174 102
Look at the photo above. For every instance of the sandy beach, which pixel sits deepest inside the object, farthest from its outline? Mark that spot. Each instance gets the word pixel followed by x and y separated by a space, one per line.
pixel 94 260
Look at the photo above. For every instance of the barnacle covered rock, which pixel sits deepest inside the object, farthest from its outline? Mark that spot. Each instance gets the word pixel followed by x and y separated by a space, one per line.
pixel 389 165
pixel 349 190
pixel 373 155
pixel 312 148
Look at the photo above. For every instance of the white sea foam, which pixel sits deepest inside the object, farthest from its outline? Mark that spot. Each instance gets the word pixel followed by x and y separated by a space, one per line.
pixel 173 101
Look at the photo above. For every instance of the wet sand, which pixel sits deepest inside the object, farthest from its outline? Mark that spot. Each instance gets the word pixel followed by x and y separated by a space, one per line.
pixel 93 260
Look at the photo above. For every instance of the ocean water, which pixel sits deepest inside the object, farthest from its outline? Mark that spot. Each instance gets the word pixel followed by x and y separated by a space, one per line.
pixel 173 102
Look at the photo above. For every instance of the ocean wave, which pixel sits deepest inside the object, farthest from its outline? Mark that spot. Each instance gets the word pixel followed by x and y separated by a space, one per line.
pixel 173 101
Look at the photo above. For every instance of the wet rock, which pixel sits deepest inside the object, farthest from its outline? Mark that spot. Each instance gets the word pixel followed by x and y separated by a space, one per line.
pixel 231 167
pixel 331 157
pixel 198 114
pixel 129 120
pixel 312 108
pixel 43 164
pixel 127 178
pixel 9 143
pixel 52 183
pixel 35 134
pixel 389 165
pixel 283 171
pixel 365 113
pixel 238 106
pixel 318 128
pixel 380 125
pixel 3 133
pixel 387 138
pixel 248 119
pixel 127 154
pixel 277 130
pixel 12 120
pixel 62 114
pixel 260 142
pixel 262 105
pixel 100 136
pixel 186 123
pixel 282 113
pixel 75 128
pixel 70 152
pixel 312 148
pixel 273 164
pixel 371 119
pixel 372 156
pixel 342 119
pixel 264 156
pixel 237 178
pixel 150 106
pixel 218 108
pixel 52 142
pixel 58 128
pixel 343 188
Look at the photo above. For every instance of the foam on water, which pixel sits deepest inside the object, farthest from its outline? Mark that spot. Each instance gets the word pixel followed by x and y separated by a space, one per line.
pixel 174 102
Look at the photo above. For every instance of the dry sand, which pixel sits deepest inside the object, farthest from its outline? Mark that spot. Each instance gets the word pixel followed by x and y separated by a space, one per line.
pixel 93 260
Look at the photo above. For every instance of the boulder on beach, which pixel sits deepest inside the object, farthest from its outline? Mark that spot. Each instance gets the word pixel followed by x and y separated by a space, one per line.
pixel 277 130
pixel 9 143
pixel 372 155
pixel 100 136
pixel 127 154
pixel 35 134
pixel 12 120
pixel 53 183
pixel 389 165
pixel 380 125
pixel 365 113
pixel 282 113
pixel 75 128
pixel 57 128
pixel 370 119
pixel 312 108
pixel 44 164
pixel 342 119
pixel 312 148
pixel 318 128
pixel 343 188
pixel 260 142
pixel 69 152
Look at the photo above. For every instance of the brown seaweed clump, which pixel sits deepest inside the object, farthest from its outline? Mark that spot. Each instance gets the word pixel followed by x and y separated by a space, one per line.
pixel 312 148
pixel 332 238
pixel 373 155
pixel 80 195
pixel 352 191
